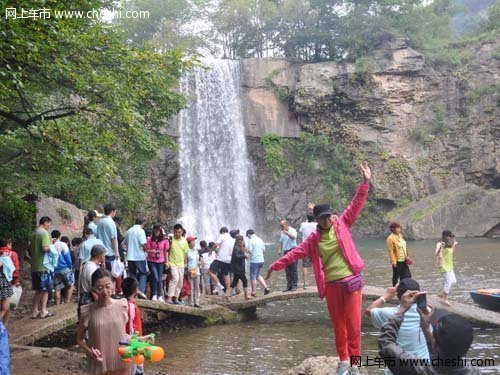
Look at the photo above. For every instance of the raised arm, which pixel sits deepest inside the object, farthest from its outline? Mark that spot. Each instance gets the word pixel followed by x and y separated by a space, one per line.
pixel 352 211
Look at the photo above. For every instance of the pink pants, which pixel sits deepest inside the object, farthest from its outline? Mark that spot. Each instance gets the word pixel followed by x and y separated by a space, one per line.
pixel 345 313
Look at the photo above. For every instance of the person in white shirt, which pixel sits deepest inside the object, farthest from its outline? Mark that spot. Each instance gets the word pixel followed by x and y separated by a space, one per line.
pixel 305 229
pixel 222 263
pixel 97 258
pixel 287 242
pixel 207 259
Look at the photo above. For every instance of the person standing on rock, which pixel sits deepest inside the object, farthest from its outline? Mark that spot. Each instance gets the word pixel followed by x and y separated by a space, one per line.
pixel 222 264
pixel 87 245
pixel 206 260
pixel 257 248
pixel 239 255
pixel 176 261
pixel 135 243
pixel 157 248
pixel 398 254
pixel 337 269
pixel 107 233
pixel 41 279
pixel 444 260
pixel 305 229
pixel 193 265
pixel 287 242
pixel 91 221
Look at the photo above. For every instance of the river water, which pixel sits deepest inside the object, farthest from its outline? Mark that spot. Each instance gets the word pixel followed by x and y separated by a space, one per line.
pixel 286 333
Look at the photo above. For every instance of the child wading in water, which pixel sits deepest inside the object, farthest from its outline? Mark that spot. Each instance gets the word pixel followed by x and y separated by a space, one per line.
pixel 444 260
pixel 106 320
pixel 130 287
pixel 240 253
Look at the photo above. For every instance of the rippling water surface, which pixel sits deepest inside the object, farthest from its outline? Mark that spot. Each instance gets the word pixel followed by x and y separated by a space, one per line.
pixel 286 333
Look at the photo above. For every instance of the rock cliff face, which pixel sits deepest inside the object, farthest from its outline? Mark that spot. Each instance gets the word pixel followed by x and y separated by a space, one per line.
pixel 426 130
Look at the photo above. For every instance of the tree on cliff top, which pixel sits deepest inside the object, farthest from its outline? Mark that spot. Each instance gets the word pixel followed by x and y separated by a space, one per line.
pixel 81 112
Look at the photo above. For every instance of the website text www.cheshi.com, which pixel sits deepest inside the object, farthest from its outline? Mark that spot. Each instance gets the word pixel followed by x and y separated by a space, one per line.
pixel 47 13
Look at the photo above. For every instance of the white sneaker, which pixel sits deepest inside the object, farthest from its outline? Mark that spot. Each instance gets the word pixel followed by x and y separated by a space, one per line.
pixel 354 370
pixel 343 368
pixel 220 290
pixel 161 299
pixel 154 298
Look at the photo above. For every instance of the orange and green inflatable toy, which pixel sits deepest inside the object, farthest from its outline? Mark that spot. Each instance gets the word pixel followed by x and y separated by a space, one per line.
pixel 139 351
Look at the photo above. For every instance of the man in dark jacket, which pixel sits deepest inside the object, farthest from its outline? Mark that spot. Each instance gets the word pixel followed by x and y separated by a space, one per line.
pixel 448 343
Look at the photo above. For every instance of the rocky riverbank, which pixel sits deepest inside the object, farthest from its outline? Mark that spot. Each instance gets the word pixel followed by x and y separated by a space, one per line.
pixel 320 365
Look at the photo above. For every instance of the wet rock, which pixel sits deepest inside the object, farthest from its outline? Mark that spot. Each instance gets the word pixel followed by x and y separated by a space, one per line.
pixel 468 211
pixel 320 365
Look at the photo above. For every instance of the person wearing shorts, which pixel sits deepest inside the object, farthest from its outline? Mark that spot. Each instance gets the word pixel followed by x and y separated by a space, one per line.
pixel 257 248
pixel 64 277
pixel 222 264
pixel 41 278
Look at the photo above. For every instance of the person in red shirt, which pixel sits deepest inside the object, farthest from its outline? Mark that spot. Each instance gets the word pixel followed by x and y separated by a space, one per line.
pixel 130 288
pixel 6 250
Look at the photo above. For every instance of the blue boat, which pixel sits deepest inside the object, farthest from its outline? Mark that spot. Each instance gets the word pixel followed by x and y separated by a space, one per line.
pixel 488 299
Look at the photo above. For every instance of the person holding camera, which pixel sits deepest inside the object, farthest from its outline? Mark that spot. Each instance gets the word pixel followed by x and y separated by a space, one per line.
pixel 448 341
pixel 410 336
pixel 157 247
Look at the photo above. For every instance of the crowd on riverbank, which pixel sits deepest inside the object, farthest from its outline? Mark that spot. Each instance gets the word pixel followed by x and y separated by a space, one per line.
pixel 110 270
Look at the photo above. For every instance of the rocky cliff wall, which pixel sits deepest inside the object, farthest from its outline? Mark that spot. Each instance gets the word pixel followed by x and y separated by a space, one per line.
pixel 426 130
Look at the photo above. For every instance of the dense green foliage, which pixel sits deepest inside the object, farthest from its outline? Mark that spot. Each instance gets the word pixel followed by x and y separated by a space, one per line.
pixel 16 218
pixel 165 27
pixel 274 155
pixel 81 111
pixel 315 30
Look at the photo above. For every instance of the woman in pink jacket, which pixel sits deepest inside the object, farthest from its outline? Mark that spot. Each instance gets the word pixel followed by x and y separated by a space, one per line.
pixel 337 269
pixel 157 247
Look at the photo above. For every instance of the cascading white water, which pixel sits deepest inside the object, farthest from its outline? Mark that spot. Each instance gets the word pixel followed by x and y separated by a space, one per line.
pixel 216 175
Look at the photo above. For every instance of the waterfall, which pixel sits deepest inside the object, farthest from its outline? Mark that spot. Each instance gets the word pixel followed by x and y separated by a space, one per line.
pixel 216 175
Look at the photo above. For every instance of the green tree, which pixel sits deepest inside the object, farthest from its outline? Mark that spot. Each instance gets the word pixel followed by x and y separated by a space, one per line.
pixel 81 112
pixel 166 26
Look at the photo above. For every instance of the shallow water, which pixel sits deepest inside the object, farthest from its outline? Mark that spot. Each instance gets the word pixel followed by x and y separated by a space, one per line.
pixel 286 333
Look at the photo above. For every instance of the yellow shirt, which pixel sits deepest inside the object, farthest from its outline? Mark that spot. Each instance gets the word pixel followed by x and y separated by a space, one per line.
pixel 401 249
pixel 178 252
pixel 334 264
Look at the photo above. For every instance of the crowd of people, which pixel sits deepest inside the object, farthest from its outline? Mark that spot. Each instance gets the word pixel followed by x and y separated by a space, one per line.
pixel 110 270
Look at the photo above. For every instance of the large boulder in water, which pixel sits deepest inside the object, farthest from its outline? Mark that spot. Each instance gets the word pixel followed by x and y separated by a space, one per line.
pixel 468 211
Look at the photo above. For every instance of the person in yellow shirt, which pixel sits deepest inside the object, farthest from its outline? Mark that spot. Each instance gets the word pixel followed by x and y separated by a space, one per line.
pixel 444 260
pixel 398 254
pixel 177 258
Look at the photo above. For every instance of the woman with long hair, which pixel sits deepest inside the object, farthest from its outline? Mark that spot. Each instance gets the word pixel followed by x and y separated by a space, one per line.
pixel 105 319
pixel 157 247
